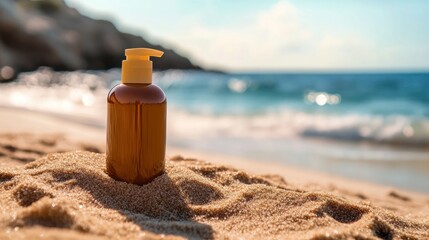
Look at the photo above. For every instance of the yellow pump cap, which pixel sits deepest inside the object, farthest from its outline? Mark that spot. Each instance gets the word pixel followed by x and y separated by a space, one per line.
pixel 137 68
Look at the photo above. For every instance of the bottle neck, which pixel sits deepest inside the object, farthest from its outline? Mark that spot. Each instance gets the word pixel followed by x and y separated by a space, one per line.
pixel 136 71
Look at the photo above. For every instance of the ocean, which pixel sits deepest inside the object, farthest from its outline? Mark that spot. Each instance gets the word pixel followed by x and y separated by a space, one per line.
pixel 367 126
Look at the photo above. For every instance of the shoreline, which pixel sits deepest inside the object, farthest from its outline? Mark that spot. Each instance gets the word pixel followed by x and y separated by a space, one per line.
pixel 15 121
pixel 54 186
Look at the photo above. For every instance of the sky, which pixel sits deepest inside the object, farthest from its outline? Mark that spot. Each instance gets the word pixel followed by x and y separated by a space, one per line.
pixel 279 35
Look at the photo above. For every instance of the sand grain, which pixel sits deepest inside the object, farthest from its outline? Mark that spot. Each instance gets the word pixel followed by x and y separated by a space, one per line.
pixel 70 194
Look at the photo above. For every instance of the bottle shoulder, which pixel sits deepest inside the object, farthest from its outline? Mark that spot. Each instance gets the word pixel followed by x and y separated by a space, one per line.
pixel 136 93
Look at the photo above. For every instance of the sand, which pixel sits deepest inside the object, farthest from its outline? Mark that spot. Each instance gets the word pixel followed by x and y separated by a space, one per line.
pixel 48 190
pixel 69 196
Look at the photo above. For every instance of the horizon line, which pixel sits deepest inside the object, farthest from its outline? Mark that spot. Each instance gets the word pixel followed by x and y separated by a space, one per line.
pixel 329 71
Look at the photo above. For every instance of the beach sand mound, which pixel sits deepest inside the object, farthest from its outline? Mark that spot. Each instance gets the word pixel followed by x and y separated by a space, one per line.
pixel 21 148
pixel 70 196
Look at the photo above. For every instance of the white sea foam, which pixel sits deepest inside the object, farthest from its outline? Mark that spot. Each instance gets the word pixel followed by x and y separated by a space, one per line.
pixel 288 123
pixel 82 95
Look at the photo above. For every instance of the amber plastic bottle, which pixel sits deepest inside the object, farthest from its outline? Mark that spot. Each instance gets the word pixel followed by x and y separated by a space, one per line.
pixel 136 122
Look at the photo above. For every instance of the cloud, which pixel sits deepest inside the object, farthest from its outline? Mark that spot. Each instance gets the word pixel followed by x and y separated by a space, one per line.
pixel 277 39
pixel 272 35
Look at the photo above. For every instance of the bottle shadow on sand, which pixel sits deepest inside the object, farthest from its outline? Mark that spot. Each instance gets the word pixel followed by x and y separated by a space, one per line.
pixel 158 206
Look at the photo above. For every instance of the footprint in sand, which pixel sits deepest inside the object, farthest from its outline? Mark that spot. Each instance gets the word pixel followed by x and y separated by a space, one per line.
pixel 381 230
pixel 206 193
pixel 341 212
pixel 6 176
pixel 399 196
pixel 26 194
pixel 48 213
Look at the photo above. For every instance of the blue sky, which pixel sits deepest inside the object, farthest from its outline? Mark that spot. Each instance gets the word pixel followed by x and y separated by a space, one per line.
pixel 280 35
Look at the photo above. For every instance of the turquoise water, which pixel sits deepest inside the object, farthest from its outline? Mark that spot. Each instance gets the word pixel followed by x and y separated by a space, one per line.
pixel 386 108
pixel 373 127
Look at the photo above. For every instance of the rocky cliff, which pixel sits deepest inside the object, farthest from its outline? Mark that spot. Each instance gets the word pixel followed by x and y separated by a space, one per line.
pixel 49 33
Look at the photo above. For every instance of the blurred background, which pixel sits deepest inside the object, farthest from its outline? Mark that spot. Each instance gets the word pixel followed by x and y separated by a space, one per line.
pixel 335 86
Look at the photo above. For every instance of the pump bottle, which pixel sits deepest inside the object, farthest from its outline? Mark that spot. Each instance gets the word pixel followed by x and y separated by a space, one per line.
pixel 136 121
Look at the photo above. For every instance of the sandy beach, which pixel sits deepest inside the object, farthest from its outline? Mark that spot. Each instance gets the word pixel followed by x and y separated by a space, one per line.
pixel 258 120
pixel 54 186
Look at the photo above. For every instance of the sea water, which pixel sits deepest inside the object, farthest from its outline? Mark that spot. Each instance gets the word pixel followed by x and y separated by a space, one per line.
pixel 370 126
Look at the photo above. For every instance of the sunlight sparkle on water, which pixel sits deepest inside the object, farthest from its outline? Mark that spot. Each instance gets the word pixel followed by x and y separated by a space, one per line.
pixel 237 85
pixel 323 98
pixel 6 72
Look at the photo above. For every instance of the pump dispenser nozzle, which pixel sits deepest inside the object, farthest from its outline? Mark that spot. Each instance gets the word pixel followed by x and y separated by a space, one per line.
pixel 137 68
